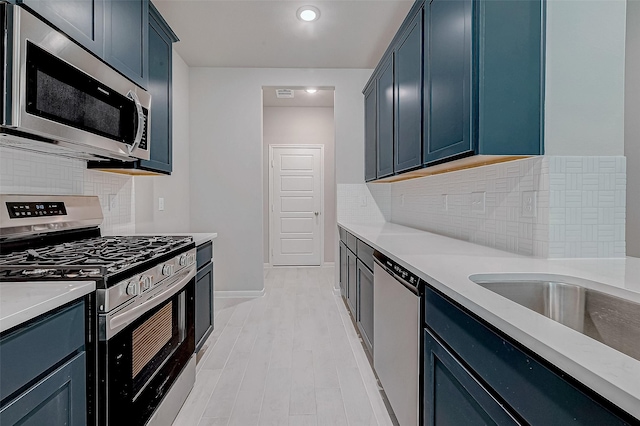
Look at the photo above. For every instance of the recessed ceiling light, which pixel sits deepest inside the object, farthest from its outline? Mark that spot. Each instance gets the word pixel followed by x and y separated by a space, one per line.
pixel 308 13
pixel 311 90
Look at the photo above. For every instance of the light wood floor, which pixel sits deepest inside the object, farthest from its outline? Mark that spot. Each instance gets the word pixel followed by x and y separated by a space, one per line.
pixel 291 358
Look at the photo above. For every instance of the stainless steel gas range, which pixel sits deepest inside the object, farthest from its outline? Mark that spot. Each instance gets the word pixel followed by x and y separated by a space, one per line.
pixel 141 327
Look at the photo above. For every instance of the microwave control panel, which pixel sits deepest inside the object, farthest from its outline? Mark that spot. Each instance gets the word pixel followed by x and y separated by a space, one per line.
pixel 22 210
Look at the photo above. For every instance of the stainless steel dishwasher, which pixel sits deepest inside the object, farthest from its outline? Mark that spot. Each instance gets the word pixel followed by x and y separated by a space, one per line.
pixel 396 331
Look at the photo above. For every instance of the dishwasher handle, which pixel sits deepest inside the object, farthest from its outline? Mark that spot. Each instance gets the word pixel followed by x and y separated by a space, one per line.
pixel 408 279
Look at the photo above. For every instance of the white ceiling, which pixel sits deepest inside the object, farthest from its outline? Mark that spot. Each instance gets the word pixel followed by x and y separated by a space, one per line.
pixel 267 33
pixel 321 98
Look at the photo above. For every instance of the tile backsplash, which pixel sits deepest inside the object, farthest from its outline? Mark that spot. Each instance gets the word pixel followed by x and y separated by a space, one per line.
pixel 24 172
pixel 364 203
pixel 556 207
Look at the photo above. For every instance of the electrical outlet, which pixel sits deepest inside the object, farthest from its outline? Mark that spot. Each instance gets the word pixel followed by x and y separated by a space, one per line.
pixel 161 204
pixel 477 202
pixel 529 203
pixel 445 202
pixel 113 202
pixel 402 199
pixel 363 201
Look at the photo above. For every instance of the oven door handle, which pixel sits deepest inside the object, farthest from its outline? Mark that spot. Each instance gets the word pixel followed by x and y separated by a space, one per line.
pixel 121 320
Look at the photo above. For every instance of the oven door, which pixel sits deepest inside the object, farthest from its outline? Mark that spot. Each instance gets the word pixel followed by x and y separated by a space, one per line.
pixel 138 365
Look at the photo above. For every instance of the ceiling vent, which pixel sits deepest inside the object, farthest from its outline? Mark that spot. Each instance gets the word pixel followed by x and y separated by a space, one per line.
pixel 284 93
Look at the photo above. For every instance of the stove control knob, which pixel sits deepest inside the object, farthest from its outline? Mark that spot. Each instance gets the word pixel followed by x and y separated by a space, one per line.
pixel 145 282
pixel 167 270
pixel 132 288
pixel 183 260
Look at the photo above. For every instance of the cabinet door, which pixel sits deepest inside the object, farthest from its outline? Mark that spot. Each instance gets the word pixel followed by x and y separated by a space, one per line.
pixel 385 99
pixel 452 395
pixel 343 270
pixel 365 304
pixel 408 91
pixel 58 399
pixel 81 20
pixel 126 24
pixel 352 284
pixel 204 305
pixel 370 133
pixel 448 79
pixel 539 393
pixel 160 57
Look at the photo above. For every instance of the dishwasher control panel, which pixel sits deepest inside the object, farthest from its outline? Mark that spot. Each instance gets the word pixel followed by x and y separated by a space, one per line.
pixel 396 269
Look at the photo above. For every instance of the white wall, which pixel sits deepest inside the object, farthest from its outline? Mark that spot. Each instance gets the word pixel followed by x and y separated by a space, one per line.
pixel 632 127
pixel 226 157
pixel 174 188
pixel 584 94
pixel 302 126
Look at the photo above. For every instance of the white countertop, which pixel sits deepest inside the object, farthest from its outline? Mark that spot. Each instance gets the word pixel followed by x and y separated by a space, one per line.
pixel 22 301
pixel 447 263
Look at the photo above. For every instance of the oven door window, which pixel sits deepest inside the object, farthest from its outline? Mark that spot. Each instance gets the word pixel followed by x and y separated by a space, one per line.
pixel 62 93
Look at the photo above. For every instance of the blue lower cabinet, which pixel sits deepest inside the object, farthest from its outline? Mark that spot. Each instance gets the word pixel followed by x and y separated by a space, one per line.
pixel 343 270
pixel 204 305
pixel 352 287
pixel 483 377
pixel 364 320
pixel 44 369
pixel 56 400
pixel 453 396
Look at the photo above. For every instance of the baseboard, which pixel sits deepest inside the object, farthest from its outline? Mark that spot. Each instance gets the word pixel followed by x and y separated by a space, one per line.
pixel 267 266
pixel 233 294
pixel 329 264
pixel 336 291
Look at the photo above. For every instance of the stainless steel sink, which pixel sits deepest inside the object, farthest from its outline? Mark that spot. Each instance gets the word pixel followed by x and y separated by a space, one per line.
pixel 609 319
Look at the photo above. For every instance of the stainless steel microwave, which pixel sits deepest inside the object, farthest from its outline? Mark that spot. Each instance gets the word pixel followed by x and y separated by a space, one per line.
pixel 58 98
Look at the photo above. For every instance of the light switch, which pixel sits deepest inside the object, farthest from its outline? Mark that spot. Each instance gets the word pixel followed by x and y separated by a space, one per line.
pixel 477 202
pixel 161 204
pixel 113 202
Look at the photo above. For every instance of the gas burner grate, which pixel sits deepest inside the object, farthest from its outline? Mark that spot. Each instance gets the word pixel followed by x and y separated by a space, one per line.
pixel 86 258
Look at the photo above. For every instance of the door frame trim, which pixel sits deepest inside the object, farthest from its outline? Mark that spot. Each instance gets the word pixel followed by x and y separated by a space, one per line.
pixel 271 216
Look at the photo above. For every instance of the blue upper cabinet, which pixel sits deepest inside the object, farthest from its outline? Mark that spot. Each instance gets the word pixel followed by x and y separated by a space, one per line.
pixel 82 20
pixel 126 25
pixel 448 79
pixel 511 94
pixel 114 30
pixel 385 97
pixel 370 133
pixel 161 39
pixel 467 79
pixel 408 92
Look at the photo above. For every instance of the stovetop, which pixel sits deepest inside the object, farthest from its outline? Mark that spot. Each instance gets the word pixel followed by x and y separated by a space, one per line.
pixel 88 258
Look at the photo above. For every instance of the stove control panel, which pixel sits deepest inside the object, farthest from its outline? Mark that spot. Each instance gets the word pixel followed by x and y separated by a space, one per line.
pixel 23 210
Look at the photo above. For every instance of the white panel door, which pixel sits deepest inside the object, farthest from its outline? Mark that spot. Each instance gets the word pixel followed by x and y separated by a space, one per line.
pixel 296 197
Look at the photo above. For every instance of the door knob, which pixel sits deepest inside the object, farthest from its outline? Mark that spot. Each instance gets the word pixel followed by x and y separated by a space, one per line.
pixel 316 213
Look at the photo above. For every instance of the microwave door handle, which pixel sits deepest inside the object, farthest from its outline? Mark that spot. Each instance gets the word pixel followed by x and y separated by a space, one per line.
pixel 140 127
